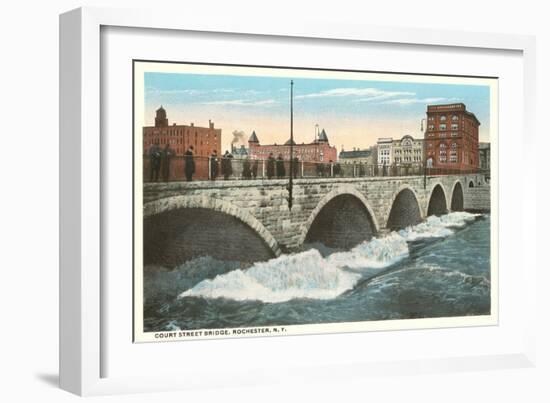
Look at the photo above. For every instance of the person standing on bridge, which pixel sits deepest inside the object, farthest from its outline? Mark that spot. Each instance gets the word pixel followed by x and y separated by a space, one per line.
pixel 247 173
pixel 189 164
pixel 166 158
pixel 255 168
pixel 227 168
pixel 154 161
pixel 270 166
pixel 214 165
pixel 295 167
pixel 280 167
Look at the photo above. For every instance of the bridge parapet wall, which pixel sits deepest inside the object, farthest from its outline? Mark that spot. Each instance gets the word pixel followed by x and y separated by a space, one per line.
pixel 266 200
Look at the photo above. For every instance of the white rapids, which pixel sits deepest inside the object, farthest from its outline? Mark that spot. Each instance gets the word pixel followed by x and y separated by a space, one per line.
pixel 310 275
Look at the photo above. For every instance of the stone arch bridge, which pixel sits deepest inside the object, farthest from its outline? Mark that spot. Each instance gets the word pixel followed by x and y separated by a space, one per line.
pixel 250 220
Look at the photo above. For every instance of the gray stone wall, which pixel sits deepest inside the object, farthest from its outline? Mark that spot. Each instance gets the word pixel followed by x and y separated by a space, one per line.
pixel 262 204
pixel 478 199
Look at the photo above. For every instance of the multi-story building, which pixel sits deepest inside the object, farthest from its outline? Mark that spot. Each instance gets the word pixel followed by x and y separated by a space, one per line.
pixel 384 146
pixel 203 139
pixel 452 137
pixel 485 155
pixel 319 150
pixel 357 156
pixel 404 151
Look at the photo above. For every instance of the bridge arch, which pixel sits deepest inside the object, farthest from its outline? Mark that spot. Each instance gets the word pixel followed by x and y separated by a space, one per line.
pixel 457 196
pixel 405 209
pixel 354 203
pixel 437 202
pixel 209 208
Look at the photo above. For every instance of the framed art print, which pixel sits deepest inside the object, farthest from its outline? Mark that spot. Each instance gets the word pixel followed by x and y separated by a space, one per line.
pixel 246 199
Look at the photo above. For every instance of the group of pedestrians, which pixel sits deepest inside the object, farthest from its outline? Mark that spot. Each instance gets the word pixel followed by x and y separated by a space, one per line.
pixel 160 162
pixel 225 164
pixel 276 167
pixel 250 170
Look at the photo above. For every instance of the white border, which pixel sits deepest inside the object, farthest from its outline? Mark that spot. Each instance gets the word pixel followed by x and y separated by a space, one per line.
pixel 80 303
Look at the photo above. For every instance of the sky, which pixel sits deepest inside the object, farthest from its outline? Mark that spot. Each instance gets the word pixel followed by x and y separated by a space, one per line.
pixel 354 113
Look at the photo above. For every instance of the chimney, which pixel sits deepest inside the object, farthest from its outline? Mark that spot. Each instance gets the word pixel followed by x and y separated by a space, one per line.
pixel 210 124
pixel 192 124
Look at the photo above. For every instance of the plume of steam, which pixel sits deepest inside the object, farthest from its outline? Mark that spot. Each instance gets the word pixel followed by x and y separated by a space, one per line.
pixel 238 137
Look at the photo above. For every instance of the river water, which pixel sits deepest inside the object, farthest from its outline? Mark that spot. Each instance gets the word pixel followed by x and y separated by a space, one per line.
pixel 439 268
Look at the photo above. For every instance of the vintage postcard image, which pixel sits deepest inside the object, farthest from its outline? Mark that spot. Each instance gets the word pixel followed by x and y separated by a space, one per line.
pixel 282 201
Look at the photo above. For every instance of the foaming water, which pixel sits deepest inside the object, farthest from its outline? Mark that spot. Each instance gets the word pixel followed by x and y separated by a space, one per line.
pixel 439 268
pixel 310 275
pixel 302 275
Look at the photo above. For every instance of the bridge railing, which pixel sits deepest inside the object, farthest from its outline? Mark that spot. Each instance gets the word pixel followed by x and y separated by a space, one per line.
pixel 208 168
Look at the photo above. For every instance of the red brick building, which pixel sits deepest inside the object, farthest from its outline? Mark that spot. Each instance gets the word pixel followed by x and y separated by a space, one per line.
pixel 318 151
pixel 203 139
pixel 452 137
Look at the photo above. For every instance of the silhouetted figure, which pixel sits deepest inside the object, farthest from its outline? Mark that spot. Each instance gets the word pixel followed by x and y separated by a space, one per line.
pixel 295 167
pixel 320 169
pixel 362 170
pixel 337 169
pixel 254 169
pixel 189 164
pixel 227 168
pixel 154 161
pixel 214 167
pixel 270 166
pixel 166 158
pixel 280 167
pixel 247 172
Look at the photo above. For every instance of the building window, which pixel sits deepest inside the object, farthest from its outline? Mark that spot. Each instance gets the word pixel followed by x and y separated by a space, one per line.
pixel 430 127
pixel 430 118
pixel 454 134
pixel 443 127
pixel 454 118
pixel 453 145
pixel 443 118
pixel 442 158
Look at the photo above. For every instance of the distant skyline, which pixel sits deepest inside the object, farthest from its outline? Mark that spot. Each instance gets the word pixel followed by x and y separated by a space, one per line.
pixel 354 113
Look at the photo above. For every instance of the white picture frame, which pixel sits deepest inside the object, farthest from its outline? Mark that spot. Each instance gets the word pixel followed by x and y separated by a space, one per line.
pixel 82 173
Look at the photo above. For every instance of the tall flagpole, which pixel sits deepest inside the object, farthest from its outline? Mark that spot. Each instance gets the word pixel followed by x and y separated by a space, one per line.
pixel 291 173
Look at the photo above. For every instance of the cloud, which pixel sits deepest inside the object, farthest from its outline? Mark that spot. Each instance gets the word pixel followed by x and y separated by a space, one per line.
pixel 242 102
pixel 366 94
pixel 411 101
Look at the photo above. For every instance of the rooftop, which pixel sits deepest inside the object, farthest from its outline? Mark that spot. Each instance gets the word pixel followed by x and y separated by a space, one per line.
pixel 355 154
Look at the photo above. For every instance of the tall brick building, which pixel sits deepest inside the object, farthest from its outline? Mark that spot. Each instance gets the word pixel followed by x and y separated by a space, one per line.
pixel 317 151
pixel 452 137
pixel 203 139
